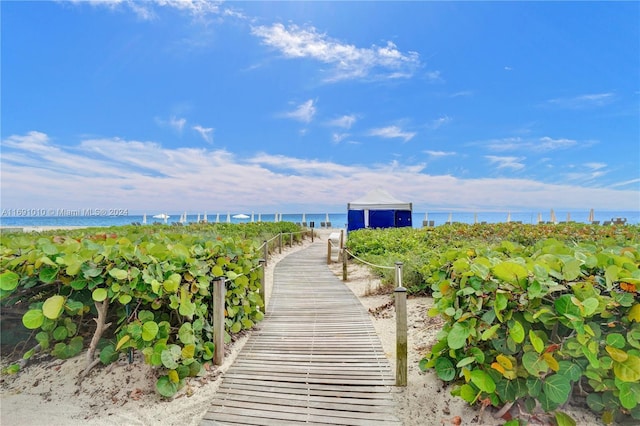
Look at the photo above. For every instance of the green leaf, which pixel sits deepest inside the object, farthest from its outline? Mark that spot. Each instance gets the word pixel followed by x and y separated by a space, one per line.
pixel 33 319
pixel 457 336
pixel 534 363
pixel 563 419
pixel 594 401
pixel 557 388
pixel 616 340
pixel 60 333
pixel 108 354
pixel 628 398
pixel 48 275
pixel 149 330
pixel 166 387
pixel 489 333
pixel 186 334
pixel 565 306
pixel 511 272
pixel 571 270
pixel 516 331
pixel 99 294
pixel 468 393
pixel 119 274
pixel 444 369
pixel 628 370
pixel 53 307
pixel 9 280
pixel 172 283
pixel 483 381
pixel 536 341
pixel 124 299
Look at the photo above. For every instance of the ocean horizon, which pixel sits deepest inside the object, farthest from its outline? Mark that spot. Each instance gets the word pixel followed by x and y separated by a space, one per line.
pixel 337 220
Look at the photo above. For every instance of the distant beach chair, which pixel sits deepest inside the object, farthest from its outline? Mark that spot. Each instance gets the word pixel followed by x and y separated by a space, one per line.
pixel 328 224
pixel 323 224
pixel 607 223
pixel 595 222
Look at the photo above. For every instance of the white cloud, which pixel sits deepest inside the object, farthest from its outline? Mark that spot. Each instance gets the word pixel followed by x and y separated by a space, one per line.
pixel 513 163
pixel 346 121
pixel 39 172
pixel 205 132
pixel 304 112
pixel 339 137
pixel 392 132
pixel 146 9
pixel 583 101
pixel 439 122
pixel 177 123
pixel 439 154
pixel 347 60
pixel 543 144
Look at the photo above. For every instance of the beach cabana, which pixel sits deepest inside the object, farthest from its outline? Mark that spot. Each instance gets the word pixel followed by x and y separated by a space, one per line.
pixel 378 209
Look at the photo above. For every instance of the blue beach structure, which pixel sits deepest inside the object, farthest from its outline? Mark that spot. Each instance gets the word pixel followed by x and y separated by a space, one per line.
pixel 378 209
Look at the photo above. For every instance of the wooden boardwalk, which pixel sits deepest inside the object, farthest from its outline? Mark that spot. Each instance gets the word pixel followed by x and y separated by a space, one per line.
pixel 315 359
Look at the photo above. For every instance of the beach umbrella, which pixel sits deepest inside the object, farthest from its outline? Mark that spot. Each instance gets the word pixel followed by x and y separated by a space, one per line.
pixel 228 217
pixel 144 218
pixel 259 217
pixel 552 216
pixel 198 221
pixel 450 220
pixel 426 216
pixel 508 217
pixel 475 218
pixel 162 216
pixel 204 219
pixel 239 216
pixel 252 216
pixel 183 218
pixel 326 218
pixel 592 216
pixel 539 217
pixel 568 217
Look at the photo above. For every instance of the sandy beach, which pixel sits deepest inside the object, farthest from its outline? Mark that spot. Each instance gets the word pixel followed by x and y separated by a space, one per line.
pixel 124 394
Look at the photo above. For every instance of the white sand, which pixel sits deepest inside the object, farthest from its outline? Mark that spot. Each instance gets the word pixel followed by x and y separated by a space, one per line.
pixel 124 394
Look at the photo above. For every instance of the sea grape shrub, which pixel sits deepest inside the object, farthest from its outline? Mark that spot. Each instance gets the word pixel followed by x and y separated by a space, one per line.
pixel 156 282
pixel 538 324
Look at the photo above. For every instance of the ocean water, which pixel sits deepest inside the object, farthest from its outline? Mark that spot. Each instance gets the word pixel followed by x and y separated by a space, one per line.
pixel 338 220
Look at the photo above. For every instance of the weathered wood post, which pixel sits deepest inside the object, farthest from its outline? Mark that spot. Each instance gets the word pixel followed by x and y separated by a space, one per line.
pixel 291 239
pixel 218 320
pixel 401 328
pixel 265 255
pixel 263 290
pixel 328 251
pixel 280 242
pixel 345 258
pixel 341 239
pixel 312 224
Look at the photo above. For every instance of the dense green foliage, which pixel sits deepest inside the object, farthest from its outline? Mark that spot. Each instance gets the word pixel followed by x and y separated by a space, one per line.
pixel 533 314
pixel 154 283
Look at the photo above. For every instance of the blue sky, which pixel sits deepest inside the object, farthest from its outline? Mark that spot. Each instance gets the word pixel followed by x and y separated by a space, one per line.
pixel 304 106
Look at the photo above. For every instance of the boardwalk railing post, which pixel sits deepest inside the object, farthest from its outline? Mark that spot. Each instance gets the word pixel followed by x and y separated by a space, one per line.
pixel 265 255
pixel 401 328
pixel 328 251
pixel 263 291
pixel 280 242
pixel 345 257
pixel 218 320
pixel 291 239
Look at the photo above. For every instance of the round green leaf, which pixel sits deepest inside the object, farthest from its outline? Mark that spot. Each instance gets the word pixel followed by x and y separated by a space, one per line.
pixel 9 280
pixel 516 331
pixel 99 294
pixel 628 370
pixel 33 319
pixel 60 333
pixel 108 355
pixel 557 388
pixel 124 299
pixel 444 369
pixel 483 381
pixel 53 306
pixel 457 336
pixel 166 387
pixel 149 330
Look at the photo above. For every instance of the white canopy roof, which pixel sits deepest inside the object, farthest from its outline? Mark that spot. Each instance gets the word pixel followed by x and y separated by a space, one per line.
pixel 378 199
